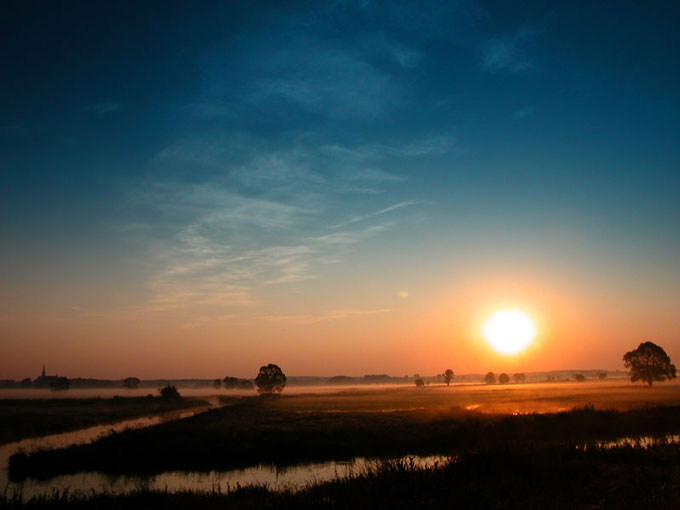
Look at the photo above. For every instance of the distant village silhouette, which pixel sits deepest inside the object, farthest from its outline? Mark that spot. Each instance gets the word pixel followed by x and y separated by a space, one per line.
pixel 53 382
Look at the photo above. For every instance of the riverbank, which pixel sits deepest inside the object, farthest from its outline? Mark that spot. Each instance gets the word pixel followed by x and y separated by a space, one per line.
pixel 528 476
pixel 29 418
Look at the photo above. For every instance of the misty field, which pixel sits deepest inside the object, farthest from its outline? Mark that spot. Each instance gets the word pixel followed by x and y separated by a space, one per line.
pixel 377 423
pixel 512 398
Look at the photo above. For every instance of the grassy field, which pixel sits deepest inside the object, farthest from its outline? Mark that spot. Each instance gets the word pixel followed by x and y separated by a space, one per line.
pixel 531 476
pixel 381 423
pixel 512 398
pixel 26 418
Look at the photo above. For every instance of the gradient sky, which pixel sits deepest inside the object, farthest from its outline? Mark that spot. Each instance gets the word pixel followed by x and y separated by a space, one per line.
pixel 195 189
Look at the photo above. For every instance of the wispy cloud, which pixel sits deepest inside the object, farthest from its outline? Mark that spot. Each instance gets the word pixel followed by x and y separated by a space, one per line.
pixel 238 216
pixel 330 81
pixel 507 53
pixel 309 74
pixel 329 316
pixel 336 59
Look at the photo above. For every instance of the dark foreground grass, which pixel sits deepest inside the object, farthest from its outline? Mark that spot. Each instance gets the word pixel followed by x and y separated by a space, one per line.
pixel 534 476
pixel 252 431
pixel 26 418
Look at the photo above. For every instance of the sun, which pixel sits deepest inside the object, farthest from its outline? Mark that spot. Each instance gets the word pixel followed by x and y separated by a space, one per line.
pixel 509 331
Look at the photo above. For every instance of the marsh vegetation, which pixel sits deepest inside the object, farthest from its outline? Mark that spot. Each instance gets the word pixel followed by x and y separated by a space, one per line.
pixel 527 476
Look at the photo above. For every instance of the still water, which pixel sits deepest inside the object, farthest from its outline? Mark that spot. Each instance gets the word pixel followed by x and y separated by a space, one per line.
pixel 292 478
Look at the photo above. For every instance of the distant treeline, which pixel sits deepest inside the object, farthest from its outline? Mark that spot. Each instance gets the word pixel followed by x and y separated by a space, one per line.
pixel 55 382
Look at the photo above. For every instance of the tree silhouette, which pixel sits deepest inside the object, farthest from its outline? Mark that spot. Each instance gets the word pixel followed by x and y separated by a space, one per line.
pixel 579 377
pixel 649 363
pixel 503 378
pixel 234 383
pixel 490 378
pixel 601 375
pixel 270 379
pixel 419 382
pixel 217 384
pixel 131 383
pixel 519 378
pixel 448 376
pixel 60 384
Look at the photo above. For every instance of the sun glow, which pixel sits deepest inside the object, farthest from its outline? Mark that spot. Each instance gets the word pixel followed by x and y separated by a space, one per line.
pixel 509 331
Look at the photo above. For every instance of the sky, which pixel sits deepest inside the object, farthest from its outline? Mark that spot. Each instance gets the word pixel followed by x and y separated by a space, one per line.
pixel 195 189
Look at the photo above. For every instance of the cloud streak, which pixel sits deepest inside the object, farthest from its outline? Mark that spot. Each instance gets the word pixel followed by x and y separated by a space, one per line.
pixel 394 207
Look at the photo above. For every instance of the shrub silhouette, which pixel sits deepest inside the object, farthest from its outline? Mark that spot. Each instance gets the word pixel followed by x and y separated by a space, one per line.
pixel 131 383
pixel 169 392
pixel 448 376
pixel 649 363
pixel 579 377
pixel 601 375
pixel 217 384
pixel 503 378
pixel 419 382
pixel 270 379
pixel 490 378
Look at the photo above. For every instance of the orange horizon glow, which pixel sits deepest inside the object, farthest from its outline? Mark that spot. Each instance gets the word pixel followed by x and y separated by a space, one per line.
pixel 436 327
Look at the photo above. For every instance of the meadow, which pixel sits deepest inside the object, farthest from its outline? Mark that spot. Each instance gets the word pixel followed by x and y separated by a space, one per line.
pixel 542 397
pixel 372 422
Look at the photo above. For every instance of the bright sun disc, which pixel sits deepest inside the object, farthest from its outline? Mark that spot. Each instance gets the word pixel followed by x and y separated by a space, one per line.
pixel 509 331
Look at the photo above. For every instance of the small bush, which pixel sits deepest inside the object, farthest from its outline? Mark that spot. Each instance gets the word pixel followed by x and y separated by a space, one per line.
pixel 169 392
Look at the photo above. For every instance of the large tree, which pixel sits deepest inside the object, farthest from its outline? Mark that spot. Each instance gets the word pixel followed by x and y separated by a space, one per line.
pixel 270 379
pixel 649 363
pixel 448 376
pixel 490 378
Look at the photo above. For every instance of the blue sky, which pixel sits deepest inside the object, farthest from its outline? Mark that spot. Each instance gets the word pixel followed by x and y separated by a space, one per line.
pixel 236 162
